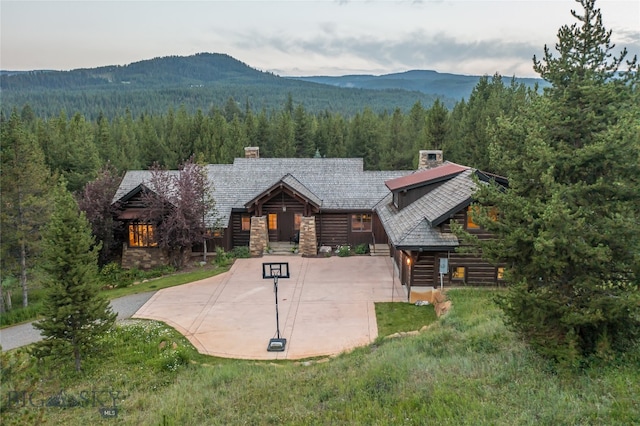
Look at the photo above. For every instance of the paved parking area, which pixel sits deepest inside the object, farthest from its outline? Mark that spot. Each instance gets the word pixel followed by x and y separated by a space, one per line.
pixel 326 307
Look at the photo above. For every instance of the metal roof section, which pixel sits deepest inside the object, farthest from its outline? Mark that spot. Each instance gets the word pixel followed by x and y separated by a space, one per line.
pixel 424 177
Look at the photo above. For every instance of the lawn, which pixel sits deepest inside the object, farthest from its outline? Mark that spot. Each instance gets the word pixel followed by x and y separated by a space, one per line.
pixel 467 368
pixel 30 313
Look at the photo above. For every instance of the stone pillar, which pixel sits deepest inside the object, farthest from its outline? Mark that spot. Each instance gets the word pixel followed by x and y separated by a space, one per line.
pixel 308 245
pixel 259 236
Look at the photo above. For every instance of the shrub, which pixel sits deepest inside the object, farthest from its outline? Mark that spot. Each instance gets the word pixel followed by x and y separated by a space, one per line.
pixel 222 257
pixel 241 252
pixel 362 249
pixel 344 251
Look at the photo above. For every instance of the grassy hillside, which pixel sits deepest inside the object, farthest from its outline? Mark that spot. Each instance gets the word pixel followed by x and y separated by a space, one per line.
pixel 466 369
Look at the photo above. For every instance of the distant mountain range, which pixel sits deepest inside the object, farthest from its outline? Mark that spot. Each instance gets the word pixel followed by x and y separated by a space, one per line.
pixel 208 80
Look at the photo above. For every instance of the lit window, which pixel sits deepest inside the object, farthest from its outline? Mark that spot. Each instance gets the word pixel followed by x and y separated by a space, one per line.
pixel 273 221
pixel 246 222
pixel 297 220
pixel 361 222
pixel 471 210
pixel 141 235
pixel 458 273
pixel 500 273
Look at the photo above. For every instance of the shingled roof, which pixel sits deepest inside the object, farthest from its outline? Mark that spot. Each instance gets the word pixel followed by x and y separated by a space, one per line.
pixel 416 226
pixel 334 183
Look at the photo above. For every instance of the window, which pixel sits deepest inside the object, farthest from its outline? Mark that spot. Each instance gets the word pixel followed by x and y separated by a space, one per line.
pixel 475 210
pixel 246 222
pixel 500 273
pixel 297 219
pixel 361 222
pixel 471 210
pixel 458 273
pixel 273 221
pixel 141 235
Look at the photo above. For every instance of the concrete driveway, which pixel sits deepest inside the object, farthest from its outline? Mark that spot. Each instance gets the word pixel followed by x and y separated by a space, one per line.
pixel 326 307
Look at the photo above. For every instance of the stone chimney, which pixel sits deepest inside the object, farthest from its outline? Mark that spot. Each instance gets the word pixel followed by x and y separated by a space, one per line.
pixel 429 158
pixel 252 152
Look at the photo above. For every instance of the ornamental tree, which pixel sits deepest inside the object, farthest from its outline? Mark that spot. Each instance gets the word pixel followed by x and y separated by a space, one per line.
pixel 95 201
pixel 568 227
pixel 179 204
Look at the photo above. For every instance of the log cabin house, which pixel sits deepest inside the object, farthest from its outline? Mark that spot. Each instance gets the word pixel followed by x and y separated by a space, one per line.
pixel 330 202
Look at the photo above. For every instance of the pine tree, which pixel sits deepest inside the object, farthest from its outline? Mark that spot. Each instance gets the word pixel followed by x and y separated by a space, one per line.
pixel 75 314
pixel 26 182
pixel 569 223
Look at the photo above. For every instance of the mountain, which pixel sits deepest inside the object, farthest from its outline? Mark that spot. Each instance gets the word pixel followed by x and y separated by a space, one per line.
pixel 452 86
pixel 209 80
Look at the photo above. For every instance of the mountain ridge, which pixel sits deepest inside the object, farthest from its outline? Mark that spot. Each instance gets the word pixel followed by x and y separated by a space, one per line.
pixel 207 80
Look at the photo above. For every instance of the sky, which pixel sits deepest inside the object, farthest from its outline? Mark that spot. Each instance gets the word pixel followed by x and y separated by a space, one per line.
pixel 302 38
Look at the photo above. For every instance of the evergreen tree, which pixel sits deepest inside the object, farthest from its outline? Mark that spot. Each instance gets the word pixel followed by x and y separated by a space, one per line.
pixel 436 125
pixel 74 313
pixel 26 182
pixel 303 133
pixel 568 226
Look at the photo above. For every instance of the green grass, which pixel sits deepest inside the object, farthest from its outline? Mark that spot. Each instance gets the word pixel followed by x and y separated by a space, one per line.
pixel 399 317
pixel 164 282
pixel 31 312
pixel 466 369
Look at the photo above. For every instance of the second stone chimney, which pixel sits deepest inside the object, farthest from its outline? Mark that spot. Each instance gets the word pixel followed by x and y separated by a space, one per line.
pixel 252 152
pixel 429 158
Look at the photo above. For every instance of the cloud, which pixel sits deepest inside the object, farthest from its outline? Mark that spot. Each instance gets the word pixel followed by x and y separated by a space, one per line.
pixel 413 50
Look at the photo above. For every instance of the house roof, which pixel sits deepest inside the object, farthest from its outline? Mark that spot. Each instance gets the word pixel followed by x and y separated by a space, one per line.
pixel 426 176
pixel 294 186
pixel 416 225
pixel 332 183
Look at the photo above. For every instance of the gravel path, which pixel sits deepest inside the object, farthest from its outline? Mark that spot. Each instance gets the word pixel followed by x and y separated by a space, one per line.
pixel 24 334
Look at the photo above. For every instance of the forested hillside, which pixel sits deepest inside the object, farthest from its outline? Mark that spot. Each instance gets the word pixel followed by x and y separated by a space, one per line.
pixel 199 82
pixel 452 86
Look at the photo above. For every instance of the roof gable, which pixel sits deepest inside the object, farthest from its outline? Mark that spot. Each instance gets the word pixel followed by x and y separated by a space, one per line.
pixel 294 186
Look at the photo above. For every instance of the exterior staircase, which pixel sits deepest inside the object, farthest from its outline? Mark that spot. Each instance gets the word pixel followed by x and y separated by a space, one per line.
pixel 379 250
pixel 281 248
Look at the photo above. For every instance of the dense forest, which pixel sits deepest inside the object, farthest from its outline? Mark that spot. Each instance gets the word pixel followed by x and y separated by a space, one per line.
pixel 76 146
pixel 208 80
pixel 201 81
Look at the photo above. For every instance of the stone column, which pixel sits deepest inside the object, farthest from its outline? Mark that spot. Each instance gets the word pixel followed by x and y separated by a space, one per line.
pixel 259 236
pixel 308 245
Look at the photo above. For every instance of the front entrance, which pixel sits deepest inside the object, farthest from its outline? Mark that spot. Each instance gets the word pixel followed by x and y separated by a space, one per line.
pixel 283 226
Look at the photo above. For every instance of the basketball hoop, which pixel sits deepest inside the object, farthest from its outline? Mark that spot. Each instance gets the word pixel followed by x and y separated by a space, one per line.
pixel 275 271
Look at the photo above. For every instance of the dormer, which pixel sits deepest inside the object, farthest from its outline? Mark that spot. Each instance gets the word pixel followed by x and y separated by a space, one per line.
pixel 407 189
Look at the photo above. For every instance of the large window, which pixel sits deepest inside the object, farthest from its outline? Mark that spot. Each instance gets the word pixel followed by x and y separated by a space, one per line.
pixel 141 235
pixel 246 222
pixel 361 222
